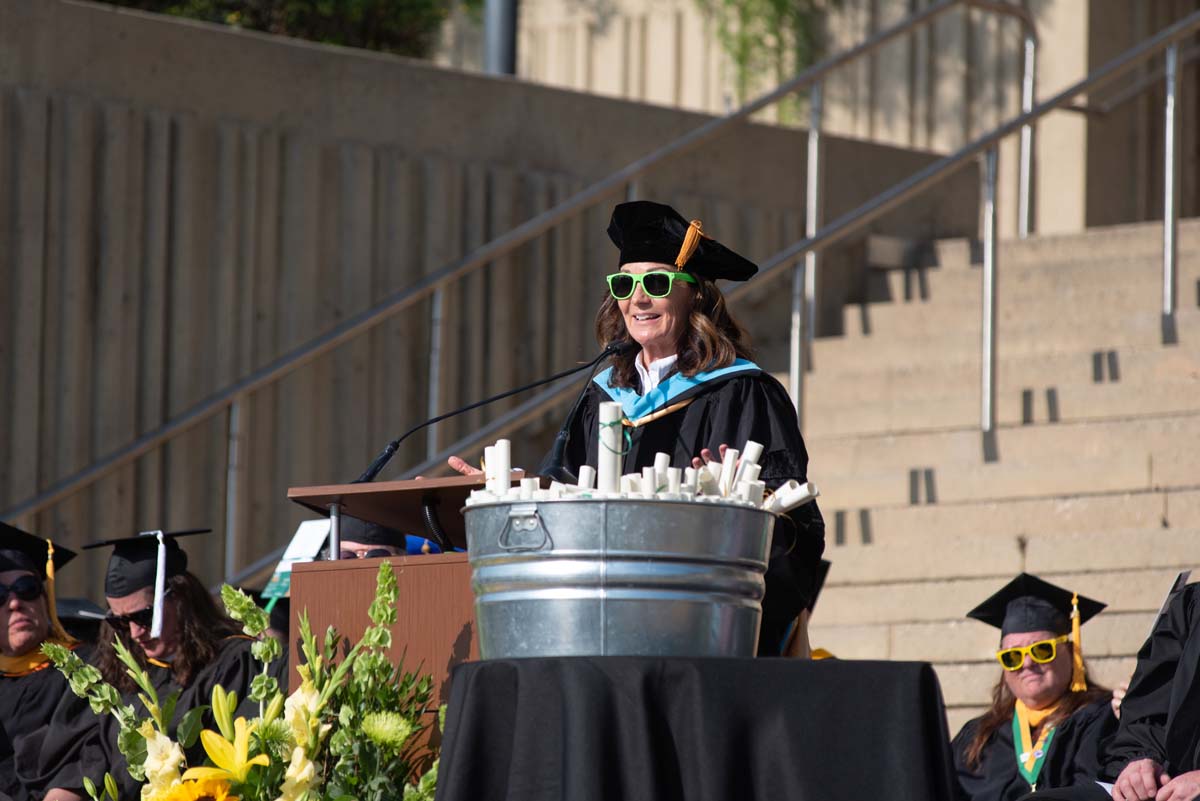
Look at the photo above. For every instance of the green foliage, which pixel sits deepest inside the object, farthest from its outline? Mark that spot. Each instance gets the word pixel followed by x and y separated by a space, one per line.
pixel 769 41
pixel 403 27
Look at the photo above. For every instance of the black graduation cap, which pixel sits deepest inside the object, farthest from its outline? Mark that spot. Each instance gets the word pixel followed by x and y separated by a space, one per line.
pixel 355 530
pixel 133 565
pixel 1027 603
pixel 646 231
pixel 20 550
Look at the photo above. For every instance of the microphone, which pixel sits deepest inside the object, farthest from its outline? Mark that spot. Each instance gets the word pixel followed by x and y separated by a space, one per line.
pixel 389 450
pixel 553 468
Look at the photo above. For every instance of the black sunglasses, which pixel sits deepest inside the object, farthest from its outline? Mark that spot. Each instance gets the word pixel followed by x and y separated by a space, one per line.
pixel 374 553
pixel 143 617
pixel 27 588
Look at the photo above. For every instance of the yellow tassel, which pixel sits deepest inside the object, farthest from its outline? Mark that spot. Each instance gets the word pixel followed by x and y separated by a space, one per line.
pixel 57 632
pixel 690 240
pixel 1078 674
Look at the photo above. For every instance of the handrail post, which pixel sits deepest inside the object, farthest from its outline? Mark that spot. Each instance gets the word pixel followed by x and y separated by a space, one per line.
pixel 233 477
pixel 1170 335
pixel 988 356
pixel 804 273
pixel 1025 176
pixel 433 398
pixel 812 217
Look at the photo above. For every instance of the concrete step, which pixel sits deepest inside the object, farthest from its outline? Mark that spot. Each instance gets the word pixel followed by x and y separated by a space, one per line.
pixel 1105 275
pixel 1015 315
pixel 1059 403
pixel 923 381
pixel 1133 240
pixel 945 600
pixel 1041 338
pixel 1135 439
pixel 964 641
pixel 860 530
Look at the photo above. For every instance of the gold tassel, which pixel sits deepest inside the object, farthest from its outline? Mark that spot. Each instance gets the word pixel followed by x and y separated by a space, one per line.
pixel 1078 674
pixel 690 240
pixel 57 632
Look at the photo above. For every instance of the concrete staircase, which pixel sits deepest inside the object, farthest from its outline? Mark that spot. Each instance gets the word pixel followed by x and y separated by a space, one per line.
pixel 1097 481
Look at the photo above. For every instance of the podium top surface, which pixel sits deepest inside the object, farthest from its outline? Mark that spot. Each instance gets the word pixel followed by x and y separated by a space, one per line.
pixel 398 504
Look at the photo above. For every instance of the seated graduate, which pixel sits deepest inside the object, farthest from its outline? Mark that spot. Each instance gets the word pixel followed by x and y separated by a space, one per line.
pixel 361 539
pixel 1156 751
pixel 30 686
pixel 198 647
pixel 1045 723
pixel 688 387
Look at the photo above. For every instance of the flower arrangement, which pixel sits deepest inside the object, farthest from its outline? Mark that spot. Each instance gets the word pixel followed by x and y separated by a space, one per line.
pixel 349 731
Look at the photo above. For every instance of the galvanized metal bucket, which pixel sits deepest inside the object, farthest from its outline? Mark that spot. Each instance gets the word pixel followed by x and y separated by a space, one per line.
pixel 618 577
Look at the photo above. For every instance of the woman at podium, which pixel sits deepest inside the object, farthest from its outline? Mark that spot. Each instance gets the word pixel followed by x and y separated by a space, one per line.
pixel 689 388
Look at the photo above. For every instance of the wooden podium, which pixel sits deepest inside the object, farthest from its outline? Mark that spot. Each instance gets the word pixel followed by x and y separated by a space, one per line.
pixel 435 624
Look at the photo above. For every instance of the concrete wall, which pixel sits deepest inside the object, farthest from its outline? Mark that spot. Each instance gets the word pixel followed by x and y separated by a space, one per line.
pixel 180 204
pixel 935 89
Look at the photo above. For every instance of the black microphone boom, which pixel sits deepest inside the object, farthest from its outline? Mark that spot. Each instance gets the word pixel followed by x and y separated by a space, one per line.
pixel 554 468
pixel 389 450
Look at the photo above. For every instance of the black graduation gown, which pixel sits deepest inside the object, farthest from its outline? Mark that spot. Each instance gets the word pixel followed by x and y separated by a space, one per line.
pixel 80 744
pixel 1160 715
pixel 1073 758
pixel 729 410
pixel 27 703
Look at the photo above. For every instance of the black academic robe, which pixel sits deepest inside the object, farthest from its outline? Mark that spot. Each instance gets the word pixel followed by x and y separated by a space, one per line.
pixel 27 703
pixel 729 410
pixel 1073 757
pixel 79 744
pixel 1160 715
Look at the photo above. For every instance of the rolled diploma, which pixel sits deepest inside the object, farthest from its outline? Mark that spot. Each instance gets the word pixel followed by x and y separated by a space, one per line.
pixel 587 477
pixel 650 483
pixel 608 468
pixel 706 483
pixel 728 469
pixel 751 453
pixel 674 479
pixel 796 497
pixel 502 453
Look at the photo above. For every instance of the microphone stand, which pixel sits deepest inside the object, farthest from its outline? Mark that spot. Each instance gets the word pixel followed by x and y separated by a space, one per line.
pixel 389 450
pixel 553 468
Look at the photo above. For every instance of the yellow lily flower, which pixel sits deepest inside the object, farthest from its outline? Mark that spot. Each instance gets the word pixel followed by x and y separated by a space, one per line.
pixel 231 759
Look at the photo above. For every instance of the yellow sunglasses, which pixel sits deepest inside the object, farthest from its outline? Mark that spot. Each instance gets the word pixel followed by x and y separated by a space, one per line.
pixel 1042 651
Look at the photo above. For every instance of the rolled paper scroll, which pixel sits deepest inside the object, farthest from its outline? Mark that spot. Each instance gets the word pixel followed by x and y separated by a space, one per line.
pixel 609 455
pixel 587 477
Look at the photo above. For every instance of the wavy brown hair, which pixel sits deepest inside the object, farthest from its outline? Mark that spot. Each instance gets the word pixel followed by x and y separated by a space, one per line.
pixel 711 340
pixel 202 626
pixel 1000 713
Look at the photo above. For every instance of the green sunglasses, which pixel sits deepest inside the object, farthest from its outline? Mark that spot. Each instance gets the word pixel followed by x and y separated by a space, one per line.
pixel 656 283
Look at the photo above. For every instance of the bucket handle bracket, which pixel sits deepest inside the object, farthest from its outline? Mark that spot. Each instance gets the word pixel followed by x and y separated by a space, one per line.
pixel 523 517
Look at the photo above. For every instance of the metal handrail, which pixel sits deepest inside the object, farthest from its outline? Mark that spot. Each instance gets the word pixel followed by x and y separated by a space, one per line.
pixel 435 282
pixel 855 220
pixel 1118 99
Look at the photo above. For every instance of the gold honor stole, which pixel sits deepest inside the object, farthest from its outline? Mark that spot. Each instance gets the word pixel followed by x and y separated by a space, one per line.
pixel 1031 755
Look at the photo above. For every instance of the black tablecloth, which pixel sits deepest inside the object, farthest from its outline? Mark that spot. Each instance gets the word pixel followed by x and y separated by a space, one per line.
pixel 616 728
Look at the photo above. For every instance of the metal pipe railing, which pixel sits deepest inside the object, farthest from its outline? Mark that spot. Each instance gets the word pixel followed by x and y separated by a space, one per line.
pixel 621 181
pixel 870 211
pixel 1170 196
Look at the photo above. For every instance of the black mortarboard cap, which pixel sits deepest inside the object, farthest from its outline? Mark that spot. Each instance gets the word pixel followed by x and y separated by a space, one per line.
pixel 134 561
pixel 368 533
pixel 1027 603
pixel 646 231
pixel 20 550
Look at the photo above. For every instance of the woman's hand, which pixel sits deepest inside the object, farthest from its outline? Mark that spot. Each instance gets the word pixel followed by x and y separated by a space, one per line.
pixel 1139 781
pixel 706 456
pixel 460 466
